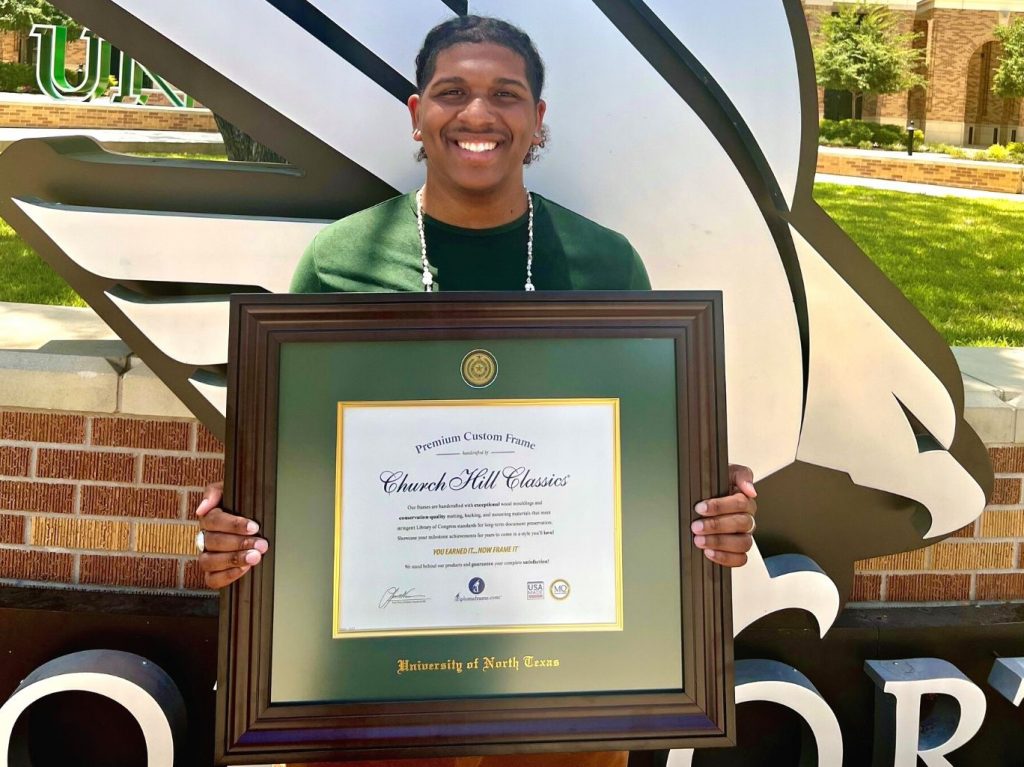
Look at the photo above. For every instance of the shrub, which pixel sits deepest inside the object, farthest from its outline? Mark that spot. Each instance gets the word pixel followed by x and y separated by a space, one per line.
pixel 997 153
pixel 865 145
pixel 848 132
pixel 889 134
pixel 856 132
pixel 17 77
pixel 1016 150
pixel 957 152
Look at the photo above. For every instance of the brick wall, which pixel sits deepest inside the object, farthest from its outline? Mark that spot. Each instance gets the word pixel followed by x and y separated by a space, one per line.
pixel 19 114
pixel 988 176
pixel 814 14
pixel 956 38
pixel 105 503
pixel 982 562
pixel 102 502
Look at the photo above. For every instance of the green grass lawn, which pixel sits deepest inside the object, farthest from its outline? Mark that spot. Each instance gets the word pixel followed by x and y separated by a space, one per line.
pixel 961 262
pixel 25 278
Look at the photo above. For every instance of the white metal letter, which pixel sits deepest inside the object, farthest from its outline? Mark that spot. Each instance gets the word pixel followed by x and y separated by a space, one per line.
pixel 138 684
pixel 900 735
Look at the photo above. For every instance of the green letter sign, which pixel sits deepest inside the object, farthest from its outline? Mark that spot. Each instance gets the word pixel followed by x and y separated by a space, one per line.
pixel 51 72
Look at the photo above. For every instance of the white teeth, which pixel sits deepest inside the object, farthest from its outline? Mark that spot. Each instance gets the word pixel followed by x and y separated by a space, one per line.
pixel 482 146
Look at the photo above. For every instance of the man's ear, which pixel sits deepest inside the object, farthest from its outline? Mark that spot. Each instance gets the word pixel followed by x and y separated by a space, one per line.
pixel 414 112
pixel 542 108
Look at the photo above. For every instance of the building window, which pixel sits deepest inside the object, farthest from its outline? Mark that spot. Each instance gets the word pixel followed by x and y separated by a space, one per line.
pixel 995 135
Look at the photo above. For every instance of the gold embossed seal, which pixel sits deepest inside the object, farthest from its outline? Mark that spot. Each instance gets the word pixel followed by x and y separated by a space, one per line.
pixel 479 368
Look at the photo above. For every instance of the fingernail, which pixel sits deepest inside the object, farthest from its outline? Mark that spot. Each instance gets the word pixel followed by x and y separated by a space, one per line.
pixel 697 527
pixel 252 528
pixel 201 509
pixel 749 486
pixel 701 508
pixel 710 553
pixel 699 541
pixel 261 546
pixel 253 557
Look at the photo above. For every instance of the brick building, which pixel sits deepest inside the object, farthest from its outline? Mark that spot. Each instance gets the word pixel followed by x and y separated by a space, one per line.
pixel 957 106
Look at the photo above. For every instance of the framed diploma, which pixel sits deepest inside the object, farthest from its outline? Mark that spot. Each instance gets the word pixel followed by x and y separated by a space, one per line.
pixel 478 507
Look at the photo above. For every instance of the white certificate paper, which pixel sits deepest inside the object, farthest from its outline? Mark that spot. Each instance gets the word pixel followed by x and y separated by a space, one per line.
pixel 477 516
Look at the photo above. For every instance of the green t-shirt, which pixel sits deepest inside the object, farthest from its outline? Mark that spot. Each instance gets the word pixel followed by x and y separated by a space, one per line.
pixel 378 250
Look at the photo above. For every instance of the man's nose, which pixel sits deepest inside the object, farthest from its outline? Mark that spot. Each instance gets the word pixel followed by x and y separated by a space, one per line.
pixel 478 110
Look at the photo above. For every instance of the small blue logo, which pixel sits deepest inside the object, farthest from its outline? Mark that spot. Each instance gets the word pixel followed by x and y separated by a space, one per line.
pixel 476 586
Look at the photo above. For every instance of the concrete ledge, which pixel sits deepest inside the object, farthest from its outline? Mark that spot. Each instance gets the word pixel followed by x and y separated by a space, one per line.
pixel 104 377
pixel 90 369
pixel 143 393
pixel 1018 403
pixel 1002 369
pixel 129 141
pixel 58 382
pixel 994 420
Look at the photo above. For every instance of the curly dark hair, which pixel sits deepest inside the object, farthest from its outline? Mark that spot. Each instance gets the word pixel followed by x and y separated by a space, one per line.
pixel 479 29
pixel 482 29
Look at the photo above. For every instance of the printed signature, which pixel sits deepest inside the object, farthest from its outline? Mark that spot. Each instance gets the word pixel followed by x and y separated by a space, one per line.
pixel 394 595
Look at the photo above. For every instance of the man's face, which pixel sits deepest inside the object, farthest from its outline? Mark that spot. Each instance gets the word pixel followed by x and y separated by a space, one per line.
pixel 477 118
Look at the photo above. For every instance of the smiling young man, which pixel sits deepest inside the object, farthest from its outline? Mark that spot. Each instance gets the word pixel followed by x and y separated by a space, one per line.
pixel 479 116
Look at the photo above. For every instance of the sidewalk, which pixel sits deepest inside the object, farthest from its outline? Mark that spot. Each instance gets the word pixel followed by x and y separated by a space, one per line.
pixel 186 142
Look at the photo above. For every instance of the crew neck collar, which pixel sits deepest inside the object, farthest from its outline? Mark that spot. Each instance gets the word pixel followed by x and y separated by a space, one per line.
pixel 428 220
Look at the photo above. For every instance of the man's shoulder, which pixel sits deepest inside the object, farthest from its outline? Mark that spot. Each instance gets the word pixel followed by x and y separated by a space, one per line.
pixel 598 258
pixel 376 220
pixel 576 228
pixel 370 250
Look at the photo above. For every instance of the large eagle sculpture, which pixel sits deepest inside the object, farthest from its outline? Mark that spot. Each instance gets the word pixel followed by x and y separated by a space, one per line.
pixel 689 126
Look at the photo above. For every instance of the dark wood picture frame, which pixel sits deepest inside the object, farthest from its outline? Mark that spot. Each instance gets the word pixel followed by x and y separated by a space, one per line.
pixel 250 730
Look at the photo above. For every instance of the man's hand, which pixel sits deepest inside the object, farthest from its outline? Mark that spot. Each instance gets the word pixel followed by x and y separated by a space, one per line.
pixel 725 531
pixel 232 546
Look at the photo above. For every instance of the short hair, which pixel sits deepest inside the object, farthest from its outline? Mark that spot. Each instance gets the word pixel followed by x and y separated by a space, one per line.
pixel 479 29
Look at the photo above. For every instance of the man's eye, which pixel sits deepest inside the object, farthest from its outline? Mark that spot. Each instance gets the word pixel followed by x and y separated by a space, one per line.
pixel 452 92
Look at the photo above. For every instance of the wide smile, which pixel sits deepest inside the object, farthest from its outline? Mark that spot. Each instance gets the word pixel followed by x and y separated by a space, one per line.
pixel 477 150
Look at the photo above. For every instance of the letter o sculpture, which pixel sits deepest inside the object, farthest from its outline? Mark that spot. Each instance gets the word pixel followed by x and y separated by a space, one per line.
pixel 138 684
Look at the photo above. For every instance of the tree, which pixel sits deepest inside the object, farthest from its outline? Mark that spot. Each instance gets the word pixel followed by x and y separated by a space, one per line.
pixel 20 15
pixel 239 145
pixel 1008 79
pixel 860 50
